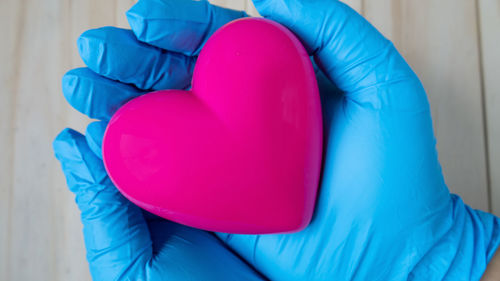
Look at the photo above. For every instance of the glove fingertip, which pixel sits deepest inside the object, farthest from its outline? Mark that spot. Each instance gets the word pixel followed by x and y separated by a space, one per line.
pixel 85 46
pixel 94 136
pixel 65 146
pixel 91 48
pixel 64 143
pixel 69 82
pixel 72 88
pixel 178 25
pixel 80 166
pixel 136 21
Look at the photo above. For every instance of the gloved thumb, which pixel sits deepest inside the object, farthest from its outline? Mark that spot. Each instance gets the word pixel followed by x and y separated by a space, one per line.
pixel 116 235
pixel 349 50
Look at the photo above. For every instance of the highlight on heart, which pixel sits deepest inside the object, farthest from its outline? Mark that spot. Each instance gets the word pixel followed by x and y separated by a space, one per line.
pixel 240 152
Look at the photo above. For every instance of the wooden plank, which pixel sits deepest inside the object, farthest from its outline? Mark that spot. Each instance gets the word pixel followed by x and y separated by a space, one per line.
pixel 386 15
pixel 489 14
pixel 439 41
pixel 231 4
pixel 39 217
pixel 44 239
pixel 121 7
pixel 250 9
pixel 357 5
pixel 9 15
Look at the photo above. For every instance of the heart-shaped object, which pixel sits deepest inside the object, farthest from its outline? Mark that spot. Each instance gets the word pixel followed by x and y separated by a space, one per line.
pixel 241 151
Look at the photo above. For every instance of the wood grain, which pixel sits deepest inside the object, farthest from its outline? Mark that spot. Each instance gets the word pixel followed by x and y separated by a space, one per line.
pixel 489 11
pixel 250 9
pixel 40 230
pixel 121 7
pixel 232 4
pixel 9 11
pixel 357 5
pixel 42 238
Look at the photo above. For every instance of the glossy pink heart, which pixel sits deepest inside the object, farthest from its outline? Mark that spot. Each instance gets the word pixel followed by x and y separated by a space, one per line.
pixel 241 151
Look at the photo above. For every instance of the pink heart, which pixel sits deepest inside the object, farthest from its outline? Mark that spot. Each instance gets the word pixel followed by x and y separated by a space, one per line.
pixel 241 151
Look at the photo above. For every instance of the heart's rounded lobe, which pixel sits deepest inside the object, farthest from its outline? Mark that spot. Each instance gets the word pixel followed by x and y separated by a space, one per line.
pixel 241 151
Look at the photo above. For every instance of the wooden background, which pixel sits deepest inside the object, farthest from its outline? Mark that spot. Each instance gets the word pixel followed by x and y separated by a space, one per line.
pixel 453 45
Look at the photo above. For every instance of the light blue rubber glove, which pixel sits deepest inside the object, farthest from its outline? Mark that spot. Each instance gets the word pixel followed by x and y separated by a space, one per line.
pixel 383 211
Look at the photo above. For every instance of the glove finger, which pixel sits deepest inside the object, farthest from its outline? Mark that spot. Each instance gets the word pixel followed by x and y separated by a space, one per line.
pixel 117 54
pixel 96 96
pixel 116 235
pixel 94 135
pixel 178 25
pixel 351 52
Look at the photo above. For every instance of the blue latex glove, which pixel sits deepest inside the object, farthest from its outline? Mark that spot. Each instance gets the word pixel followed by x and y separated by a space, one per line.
pixel 383 210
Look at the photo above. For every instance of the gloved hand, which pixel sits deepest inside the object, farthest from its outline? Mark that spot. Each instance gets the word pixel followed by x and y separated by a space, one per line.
pixel 383 211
